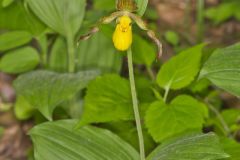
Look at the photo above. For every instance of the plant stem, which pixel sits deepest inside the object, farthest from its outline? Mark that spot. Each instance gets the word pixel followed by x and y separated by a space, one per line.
pixel 44 59
pixel 200 20
pixel 151 74
pixel 135 105
pixel 166 94
pixel 227 130
pixel 71 54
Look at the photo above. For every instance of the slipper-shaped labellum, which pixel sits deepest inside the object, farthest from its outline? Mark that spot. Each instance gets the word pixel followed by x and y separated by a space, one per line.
pixel 122 37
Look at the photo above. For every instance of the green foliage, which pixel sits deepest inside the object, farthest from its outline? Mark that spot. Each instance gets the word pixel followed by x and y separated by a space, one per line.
pixel 231 147
pixel 58 56
pixel 180 70
pixel 99 52
pixel 130 136
pixel 182 114
pixel 223 12
pixel 172 38
pixel 231 118
pixel 142 6
pixel 108 99
pixel 44 90
pixel 58 141
pixel 63 16
pixel 144 87
pixel 16 17
pixel 23 110
pixel 144 52
pixel 10 40
pixel 200 86
pixel 190 146
pixel 6 3
pixel 151 13
pixel 19 60
pixel 106 5
pixel 222 69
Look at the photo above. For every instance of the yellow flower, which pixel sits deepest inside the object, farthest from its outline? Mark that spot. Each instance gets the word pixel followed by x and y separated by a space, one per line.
pixel 122 37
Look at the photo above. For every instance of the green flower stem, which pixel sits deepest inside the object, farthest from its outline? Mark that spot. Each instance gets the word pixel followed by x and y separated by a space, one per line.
pixel 71 54
pixel 135 105
pixel 226 128
pixel 151 74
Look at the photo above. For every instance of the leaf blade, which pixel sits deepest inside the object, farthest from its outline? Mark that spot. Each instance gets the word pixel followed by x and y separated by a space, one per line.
pixel 182 114
pixel 190 146
pixel 14 39
pixel 104 103
pixel 19 60
pixel 181 70
pixel 222 69
pixel 58 141
pixel 64 16
pixel 45 90
pixel 142 6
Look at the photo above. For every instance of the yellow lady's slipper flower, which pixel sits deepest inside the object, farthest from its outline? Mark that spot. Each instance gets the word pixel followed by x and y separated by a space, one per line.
pixel 122 37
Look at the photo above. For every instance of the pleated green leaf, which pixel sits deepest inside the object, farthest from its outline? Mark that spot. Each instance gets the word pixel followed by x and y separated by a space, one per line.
pixel 45 90
pixel 223 69
pixel 142 6
pixel 58 141
pixel 63 16
pixel 58 60
pixel 99 52
pixel 17 17
pixel 190 147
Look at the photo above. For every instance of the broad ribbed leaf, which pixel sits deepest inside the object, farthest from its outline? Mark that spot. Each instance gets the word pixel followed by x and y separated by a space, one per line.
pixel 190 147
pixel 99 52
pixel 58 59
pixel 223 69
pixel 58 141
pixel 45 90
pixel 167 120
pixel 16 17
pixel 180 70
pixel 63 16
pixel 14 39
pixel 19 60
pixel 142 6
